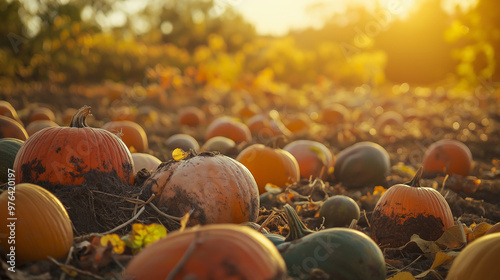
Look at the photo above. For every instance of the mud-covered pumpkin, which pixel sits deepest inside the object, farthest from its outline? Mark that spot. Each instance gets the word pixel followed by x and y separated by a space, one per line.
pixel 407 209
pixel 8 151
pixel 479 260
pixel 217 188
pixel 66 155
pixel 222 251
pixel 42 225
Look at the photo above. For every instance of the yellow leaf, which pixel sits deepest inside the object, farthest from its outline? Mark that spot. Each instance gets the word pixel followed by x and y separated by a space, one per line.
pixel 405 275
pixel 453 237
pixel 271 188
pixel 480 229
pixel 444 258
pixel 115 241
pixel 179 154
pixel 428 247
pixel 154 232
pixel 379 190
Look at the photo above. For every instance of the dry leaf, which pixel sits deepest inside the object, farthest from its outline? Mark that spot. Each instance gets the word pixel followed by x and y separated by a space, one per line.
pixel 453 237
pixel 179 154
pixel 428 247
pixel 405 275
pixel 444 258
pixel 480 229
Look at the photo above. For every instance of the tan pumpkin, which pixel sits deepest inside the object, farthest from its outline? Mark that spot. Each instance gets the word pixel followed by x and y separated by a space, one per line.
pixel 211 252
pixel 42 226
pixel 35 126
pixel 143 160
pixel 9 128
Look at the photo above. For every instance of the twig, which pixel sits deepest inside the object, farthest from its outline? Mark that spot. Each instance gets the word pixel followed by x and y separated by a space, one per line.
pixel 366 218
pixel 444 182
pixel 267 220
pixel 126 223
pixel 128 199
pixel 353 224
pixel 72 268
pixel 185 257
pixel 68 258
pixel 165 214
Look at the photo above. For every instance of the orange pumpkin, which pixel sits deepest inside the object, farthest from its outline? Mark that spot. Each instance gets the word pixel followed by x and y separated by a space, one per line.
pixel 142 160
pixel 230 128
pixel 407 209
pixel 334 115
pixel 299 123
pixel 268 165
pixel 41 113
pixel 65 155
pixel 9 128
pixel 448 157
pixel 479 260
pixel 131 133
pixel 218 189
pixel 42 225
pixel 218 252
pixel 6 109
pixel 313 157
pixel 38 125
pixel 191 116
pixel 264 126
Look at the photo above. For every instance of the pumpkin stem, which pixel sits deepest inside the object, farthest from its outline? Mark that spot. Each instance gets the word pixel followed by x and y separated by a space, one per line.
pixel 80 116
pixel 297 228
pixel 415 182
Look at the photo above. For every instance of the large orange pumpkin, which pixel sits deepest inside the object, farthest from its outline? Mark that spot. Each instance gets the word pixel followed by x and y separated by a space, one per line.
pixel 230 128
pixel 131 133
pixel 209 252
pixel 269 165
pixel 65 155
pixel 479 260
pixel 6 109
pixel 448 157
pixel 9 128
pixel 407 209
pixel 42 227
pixel 218 188
pixel 313 157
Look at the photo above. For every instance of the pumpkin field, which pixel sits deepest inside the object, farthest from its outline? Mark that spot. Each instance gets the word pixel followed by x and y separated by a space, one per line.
pixel 216 152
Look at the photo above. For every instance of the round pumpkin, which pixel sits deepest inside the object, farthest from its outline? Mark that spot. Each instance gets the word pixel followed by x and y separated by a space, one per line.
pixel 299 123
pixel 230 128
pixel 220 144
pixel 334 114
pixel 66 155
pixel 143 160
pixel 35 126
pixel 362 164
pixel 447 157
pixel 211 252
pixel 339 211
pixel 41 113
pixel 131 133
pixel 264 126
pixel 9 128
pixel 42 227
pixel 218 188
pixel 479 260
pixel 191 116
pixel 313 157
pixel 269 165
pixel 407 209
pixel 8 151
pixel 7 110
pixel 182 141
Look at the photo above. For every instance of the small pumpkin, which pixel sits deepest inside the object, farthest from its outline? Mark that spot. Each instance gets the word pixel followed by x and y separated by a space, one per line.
pixel 339 211
pixel 265 126
pixel 42 228
pixel 191 116
pixel 313 157
pixel 41 113
pixel 223 251
pixel 182 141
pixel 6 109
pixel 218 188
pixel 230 128
pixel 131 133
pixel 269 165
pixel 220 144
pixel 9 128
pixel 362 164
pixel 479 260
pixel 143 160
pixel 299 123
pixel 447 156
pixel 8 151
pixel 407 209
pixel 334 114
pixel 35 126
pixel 65 155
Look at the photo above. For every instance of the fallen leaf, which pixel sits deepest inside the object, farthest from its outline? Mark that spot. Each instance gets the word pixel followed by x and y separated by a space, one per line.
pixel 453 237
pixel 427 247
pixel 179 154
pixel 115 241
pixel 404 275
pixel 444 258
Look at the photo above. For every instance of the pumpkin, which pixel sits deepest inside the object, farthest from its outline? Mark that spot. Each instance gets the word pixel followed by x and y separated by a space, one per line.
pixel 299 123
pixel 230 128
pixel 182 141
pixel 276 239
pixel 131 133
pixel 313 157
pixel 218 188
pixel 220 144
pixel 407 209
pixel 191 116
pixel 264 126
pixel 223 251
pixel 41 113
pixel 38 125
pixel 341 253
pixel 42 225
pixel 479 260
pixel 8 151
pixel 143 160
pixel 246 109
pixel 269 165
pixel 7 110
pixel 334 114
pixel 9 128
pixel 66 155
pixel 362 164
pixel 448 157
pixel 339 211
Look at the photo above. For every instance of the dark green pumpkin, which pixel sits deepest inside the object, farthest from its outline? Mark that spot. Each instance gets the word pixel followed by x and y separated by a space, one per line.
pixel 276 239
pixel 8 152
